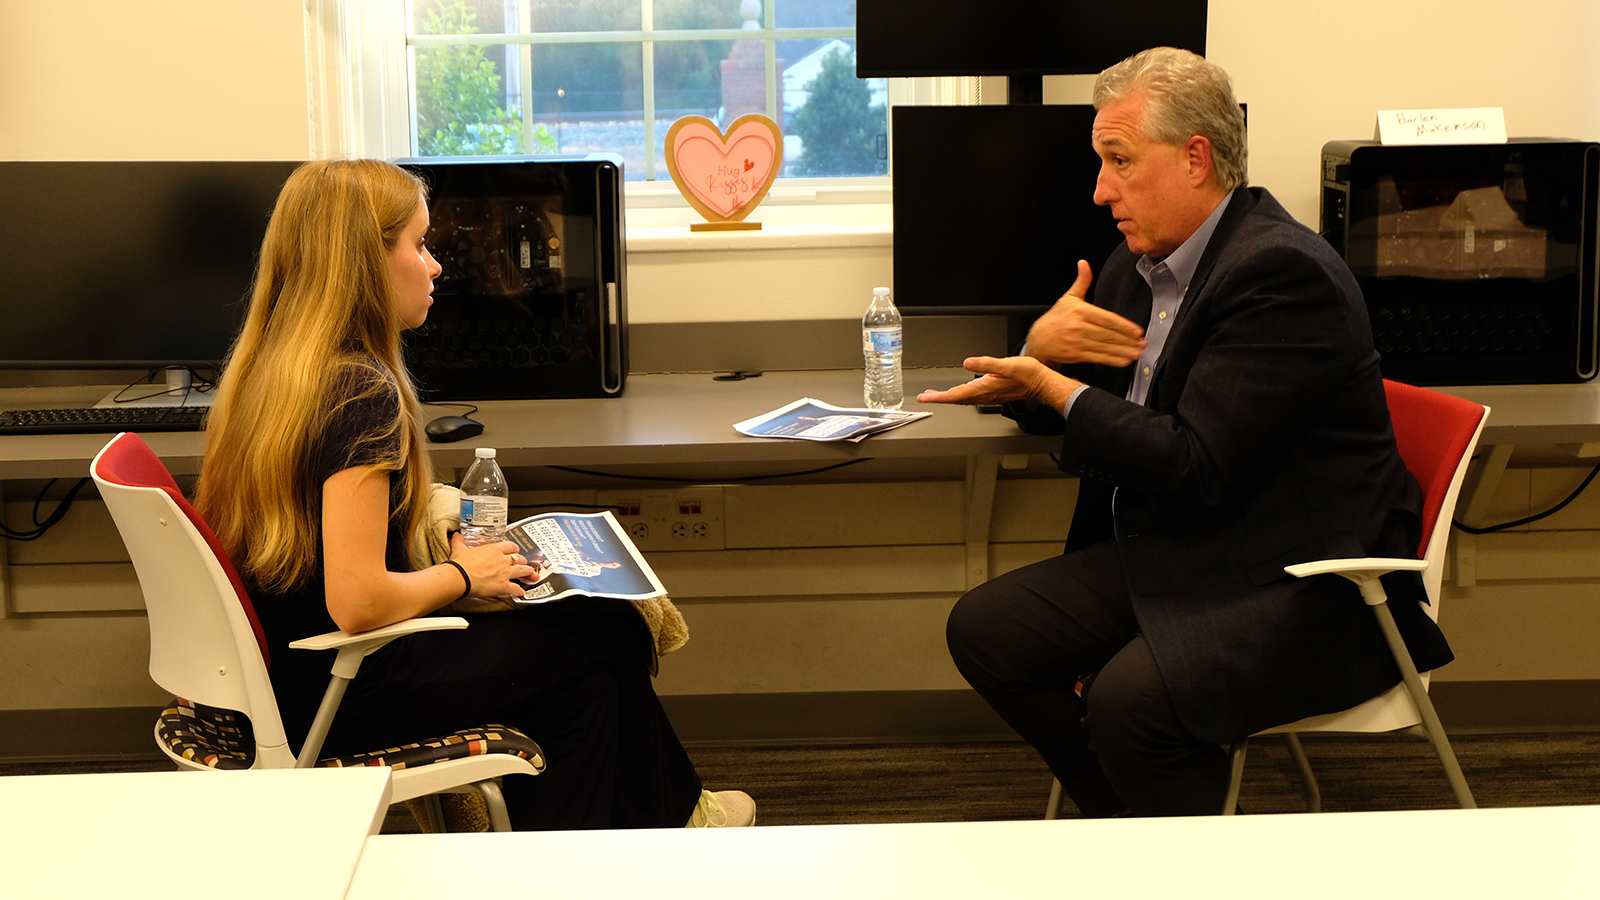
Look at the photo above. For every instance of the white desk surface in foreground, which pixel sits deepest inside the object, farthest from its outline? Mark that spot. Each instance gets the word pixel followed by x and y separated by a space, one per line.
pixel 268 834
pixel 1543 852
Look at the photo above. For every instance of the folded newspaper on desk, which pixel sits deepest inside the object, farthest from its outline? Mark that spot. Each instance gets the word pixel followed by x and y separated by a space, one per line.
pixel 813 420
pixel 581 553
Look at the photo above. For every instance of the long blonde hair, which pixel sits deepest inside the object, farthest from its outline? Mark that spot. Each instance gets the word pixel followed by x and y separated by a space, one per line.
pixel 322 319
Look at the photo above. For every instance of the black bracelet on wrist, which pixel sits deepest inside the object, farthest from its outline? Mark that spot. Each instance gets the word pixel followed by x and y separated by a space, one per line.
pixel 464 577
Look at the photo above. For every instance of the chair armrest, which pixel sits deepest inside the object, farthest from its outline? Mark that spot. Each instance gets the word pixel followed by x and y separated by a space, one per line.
pixel 1363 571
pixel 333 640
pixel 1375 565
pixel 353 648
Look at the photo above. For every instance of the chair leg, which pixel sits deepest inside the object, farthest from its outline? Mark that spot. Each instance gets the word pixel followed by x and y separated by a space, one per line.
pixel 1230 805
pixel 1430 718
pixel 331 698
pixel 1055 799
pixel 435 823
pixel 1308 780
pixel 495 801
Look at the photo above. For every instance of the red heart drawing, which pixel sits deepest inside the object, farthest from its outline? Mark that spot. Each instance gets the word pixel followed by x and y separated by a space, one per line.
pixel 724 176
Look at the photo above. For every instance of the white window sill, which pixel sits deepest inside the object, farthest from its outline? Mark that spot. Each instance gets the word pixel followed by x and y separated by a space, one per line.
pixel 791 218
pixel 771 236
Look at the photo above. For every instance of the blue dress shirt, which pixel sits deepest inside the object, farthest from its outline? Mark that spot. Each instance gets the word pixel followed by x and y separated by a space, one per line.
pixel 1169 279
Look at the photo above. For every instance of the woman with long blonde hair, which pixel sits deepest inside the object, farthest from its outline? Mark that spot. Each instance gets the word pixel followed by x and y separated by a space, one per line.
pixel 315 480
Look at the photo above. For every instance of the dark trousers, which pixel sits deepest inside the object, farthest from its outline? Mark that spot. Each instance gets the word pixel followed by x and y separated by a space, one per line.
pixel 573 674
pixel 1023 639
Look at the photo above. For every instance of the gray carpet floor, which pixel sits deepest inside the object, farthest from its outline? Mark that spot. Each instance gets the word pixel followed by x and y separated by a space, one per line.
pixel 997 781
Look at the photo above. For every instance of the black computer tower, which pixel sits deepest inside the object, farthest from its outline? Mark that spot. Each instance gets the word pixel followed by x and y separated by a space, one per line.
pixel 1478 261
pixel 532 299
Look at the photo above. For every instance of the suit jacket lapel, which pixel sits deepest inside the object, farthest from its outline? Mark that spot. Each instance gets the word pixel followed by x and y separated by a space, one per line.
pixel 1238 207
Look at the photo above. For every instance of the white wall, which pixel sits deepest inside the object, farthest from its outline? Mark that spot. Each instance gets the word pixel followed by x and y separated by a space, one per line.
pixel 139 79
pixel 1315 72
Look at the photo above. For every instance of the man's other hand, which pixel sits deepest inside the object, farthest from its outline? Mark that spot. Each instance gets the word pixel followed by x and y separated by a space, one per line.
pixel 1075 330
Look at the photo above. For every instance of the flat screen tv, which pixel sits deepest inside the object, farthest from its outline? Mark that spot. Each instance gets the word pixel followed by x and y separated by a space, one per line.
pixel 909 38
pixel 993 207
pixel 127 265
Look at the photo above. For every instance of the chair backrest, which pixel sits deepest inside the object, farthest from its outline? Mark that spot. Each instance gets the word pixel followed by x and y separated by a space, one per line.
pixel 1436 434
pixel 206 644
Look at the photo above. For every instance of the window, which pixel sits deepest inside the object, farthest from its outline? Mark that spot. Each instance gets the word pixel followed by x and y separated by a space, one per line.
pixel 561 66
pixel 580 76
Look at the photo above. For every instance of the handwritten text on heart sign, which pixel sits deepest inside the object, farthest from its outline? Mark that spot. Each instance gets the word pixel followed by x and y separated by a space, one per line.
pixel 725 176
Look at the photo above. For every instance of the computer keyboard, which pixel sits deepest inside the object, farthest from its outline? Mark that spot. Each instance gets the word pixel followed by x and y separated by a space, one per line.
pixel 102 419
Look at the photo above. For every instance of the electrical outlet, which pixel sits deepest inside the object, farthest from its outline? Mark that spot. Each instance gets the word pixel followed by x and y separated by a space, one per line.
pixel 669 519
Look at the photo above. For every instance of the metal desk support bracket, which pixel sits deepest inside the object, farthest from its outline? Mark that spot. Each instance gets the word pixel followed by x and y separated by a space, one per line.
pixel 5 564
pixel 981 476
pixel 1483 480
pixel 982 472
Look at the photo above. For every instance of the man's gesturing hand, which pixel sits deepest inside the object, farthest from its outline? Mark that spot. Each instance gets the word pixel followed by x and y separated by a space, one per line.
pixel 1076 331
pixel 1012 378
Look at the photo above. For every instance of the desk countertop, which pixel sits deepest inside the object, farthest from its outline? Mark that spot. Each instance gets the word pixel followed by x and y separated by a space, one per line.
pixel 1537 413
pixel 673 418
pixel 684 418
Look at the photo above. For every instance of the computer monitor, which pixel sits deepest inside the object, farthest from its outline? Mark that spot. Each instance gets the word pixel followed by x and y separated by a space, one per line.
pixel 126 265
pixel 993 207
pixel 909 38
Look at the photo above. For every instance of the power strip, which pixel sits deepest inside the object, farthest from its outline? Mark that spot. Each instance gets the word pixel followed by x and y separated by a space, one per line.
pixel 676 519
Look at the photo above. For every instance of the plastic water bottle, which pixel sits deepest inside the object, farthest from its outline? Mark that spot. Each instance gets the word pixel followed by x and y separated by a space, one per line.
pixel 881 348
pixel 485 500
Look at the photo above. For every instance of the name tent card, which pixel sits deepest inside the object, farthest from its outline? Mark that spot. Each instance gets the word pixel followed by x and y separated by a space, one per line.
pixel 1480 125
pixel 724 175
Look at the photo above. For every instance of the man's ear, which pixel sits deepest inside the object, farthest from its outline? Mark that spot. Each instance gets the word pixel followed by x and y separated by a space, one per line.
pixel 1198 154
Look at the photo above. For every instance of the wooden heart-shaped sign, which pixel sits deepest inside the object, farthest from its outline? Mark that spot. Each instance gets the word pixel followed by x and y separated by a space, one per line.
pixel 724 176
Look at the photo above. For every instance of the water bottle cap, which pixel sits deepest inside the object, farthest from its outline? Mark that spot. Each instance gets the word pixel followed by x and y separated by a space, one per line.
pixel 484 453
pixel 880 292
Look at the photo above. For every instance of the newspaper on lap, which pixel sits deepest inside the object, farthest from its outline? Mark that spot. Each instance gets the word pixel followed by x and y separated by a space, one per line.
pixel 581 553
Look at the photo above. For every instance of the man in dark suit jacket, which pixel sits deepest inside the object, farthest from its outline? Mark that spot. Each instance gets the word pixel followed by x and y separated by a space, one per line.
pixel 1222 405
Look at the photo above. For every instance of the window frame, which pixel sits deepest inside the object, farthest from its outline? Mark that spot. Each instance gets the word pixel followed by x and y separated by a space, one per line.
pixel 360 87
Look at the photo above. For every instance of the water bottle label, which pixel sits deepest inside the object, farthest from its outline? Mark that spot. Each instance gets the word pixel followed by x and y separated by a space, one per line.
pixel 484 512
pixel 884 340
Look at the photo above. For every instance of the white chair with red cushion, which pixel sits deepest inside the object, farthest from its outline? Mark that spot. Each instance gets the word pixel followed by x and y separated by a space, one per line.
pixel 1436 434
pixel 207 647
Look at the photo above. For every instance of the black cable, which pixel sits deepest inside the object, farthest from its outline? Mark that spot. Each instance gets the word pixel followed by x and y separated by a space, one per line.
pixel 39 528
pixel 471 407
pixel 1536 516
pixel 198 384
pixel 848 462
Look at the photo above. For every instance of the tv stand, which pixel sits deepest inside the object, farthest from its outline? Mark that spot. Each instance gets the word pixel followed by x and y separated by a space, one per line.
pixel 1024 90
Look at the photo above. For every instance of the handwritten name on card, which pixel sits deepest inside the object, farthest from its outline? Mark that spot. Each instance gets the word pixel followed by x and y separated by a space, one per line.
pixel 1482 125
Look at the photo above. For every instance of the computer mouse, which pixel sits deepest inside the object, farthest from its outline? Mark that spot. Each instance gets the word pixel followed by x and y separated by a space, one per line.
pixel 448 429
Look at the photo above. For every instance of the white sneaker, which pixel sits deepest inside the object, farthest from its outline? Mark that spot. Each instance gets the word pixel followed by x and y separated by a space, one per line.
pixel 723 809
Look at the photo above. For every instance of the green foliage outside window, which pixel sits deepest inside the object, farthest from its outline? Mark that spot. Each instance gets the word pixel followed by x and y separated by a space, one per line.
pixel 838 126
pixel 458 92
